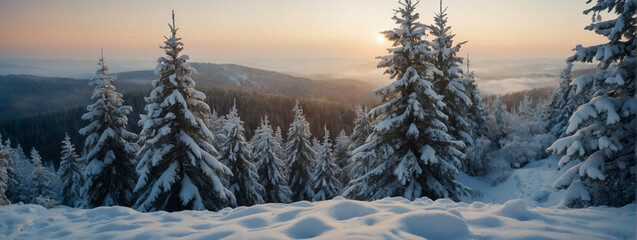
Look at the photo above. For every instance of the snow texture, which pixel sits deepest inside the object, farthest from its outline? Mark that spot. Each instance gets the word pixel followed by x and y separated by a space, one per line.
pixel 389 218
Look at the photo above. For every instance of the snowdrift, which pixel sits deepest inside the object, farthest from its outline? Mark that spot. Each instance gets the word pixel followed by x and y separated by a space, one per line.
pixel 390 218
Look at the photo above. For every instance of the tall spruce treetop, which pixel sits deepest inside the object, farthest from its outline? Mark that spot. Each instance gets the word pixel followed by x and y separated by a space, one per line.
pixel 362 130
pixel 109 176
pixel 70 172
pixel 326 184
pixel 476 114
pixel 601 134
pixel 41 178
pixel 450 84
pixel 500 119
pixel 269 166
pixel 416 156
pixel 236 153
pixel 301 157
pixel 178 168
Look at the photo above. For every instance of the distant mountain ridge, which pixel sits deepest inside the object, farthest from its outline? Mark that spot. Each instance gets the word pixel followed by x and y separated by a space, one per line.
pixel 25 95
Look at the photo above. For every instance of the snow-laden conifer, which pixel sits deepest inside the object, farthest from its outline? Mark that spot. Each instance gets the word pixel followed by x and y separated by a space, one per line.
pixel 600 137
pixel 269 166
pixel 341 155
pixel 362 129
pixel 5 153
pixel 450 83
pixel 43 182
pixel 415 155
pixel 178 168
pixel 301 158
pixel 236 153
pixel 562 104
pixel 326 184
pixel 109 176
pixel 70 173
pixel 500 119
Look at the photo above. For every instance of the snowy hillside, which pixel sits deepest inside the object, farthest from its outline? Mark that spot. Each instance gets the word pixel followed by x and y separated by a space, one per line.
pixel 390 218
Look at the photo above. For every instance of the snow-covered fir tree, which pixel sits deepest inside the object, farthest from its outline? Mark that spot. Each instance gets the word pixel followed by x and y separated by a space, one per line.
pixel 178 168
pixel 449 83
pixel 601 134
pixel 362 129
pixel 269 166
pixel 561 104
pixel 236 153
pixel 476 115
pixel 500 120
pixel 70 173
pixel 109 176
pixel 278 137
pixel 316 145
pixel 43 181
pixel 526 109
pixel 21 169
pixel 301 158
pixel 415 155
pixel 5 153
pixel 341 155
pixel 326 184
pixel 215 123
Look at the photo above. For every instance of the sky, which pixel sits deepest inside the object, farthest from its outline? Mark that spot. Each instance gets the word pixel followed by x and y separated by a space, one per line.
pixel 235 31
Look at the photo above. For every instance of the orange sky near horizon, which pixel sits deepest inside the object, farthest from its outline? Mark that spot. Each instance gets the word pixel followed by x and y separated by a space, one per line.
pixel 212 30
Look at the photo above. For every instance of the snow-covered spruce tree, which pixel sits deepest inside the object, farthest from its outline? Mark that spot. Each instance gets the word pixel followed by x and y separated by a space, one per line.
pixel 526 109
pixel 109 176
pixel 5 154
pixel 42 182
pixel 178 168
pixel 301 157
pixel 477 117
pixel 236 153
pixel 326 184
pixel 269 166
pixel 449 83
pixel 70 173
pixel 215 123
pixel 500 130
pixel 20 177
pixel 278 137
pixel 601 133
pixel 341 155
pixel 415 155
pixel 561 105
pixel 362 129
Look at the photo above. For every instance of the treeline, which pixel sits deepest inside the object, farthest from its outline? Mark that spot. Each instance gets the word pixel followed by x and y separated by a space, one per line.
pixel 45 128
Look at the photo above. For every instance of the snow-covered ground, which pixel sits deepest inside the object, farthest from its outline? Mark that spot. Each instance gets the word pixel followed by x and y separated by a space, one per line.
pixel 533 184
pixel 523 207
pixel 390 218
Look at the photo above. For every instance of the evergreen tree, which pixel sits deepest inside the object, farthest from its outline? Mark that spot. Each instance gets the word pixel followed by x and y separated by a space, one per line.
pixel 477 117
pixel 449 83
pixel 526 109
pixel 20 176
pixel 601 133
pixel 561 104
pixel 326 184
pixel 341 155
pixel 415 155
pixel 300 157
pixel 269 166
pixel 216 125
pixel 109 176
pixel 42 182
pixel 500 120
pixel 362 129
pixel 70 173
pixel 5 153
pixel 178 168
pixel 236 153
pixel 278 137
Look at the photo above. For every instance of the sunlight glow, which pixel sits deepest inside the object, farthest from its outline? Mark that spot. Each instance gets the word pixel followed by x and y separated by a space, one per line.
pixel 381 39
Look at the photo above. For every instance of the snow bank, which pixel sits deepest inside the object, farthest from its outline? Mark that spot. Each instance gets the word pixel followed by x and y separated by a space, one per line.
pixel 389 218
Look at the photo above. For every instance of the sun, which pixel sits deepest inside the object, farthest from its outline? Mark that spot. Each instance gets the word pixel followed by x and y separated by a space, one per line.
pixel 381 39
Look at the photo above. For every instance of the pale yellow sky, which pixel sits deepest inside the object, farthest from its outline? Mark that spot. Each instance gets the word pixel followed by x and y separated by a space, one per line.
pixel 281 28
